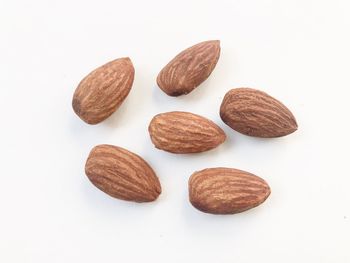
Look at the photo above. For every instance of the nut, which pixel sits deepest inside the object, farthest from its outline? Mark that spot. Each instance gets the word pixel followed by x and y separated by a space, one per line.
pixel 226 190
pixel 255 113
pixel 184 132
pixel 101 92
pixel 122 174
pixel 189 68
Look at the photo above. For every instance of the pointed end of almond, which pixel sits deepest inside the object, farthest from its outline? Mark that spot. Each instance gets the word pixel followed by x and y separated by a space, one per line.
pixel 128 60
pixel 215 46
pixel 153 194
pixel 293 125
pixel 221 136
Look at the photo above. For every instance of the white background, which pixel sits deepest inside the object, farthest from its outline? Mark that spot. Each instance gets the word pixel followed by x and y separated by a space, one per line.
pixel 297 51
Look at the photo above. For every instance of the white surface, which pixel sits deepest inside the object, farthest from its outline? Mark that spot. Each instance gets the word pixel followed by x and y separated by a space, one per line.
pixel 297 51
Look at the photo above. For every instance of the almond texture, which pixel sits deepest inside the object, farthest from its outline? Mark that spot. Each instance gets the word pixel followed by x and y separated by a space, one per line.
pixel 255 113
pixel 101 92
pixel 226 190
pixel 189 68
pixel 122 174
pixel 184 132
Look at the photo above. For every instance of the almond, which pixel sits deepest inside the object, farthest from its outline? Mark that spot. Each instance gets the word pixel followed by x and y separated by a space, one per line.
pixel 226 190
pixel 189 68
pixel 101 92
pixel 122 174
pixel 255 113
pixel 184 132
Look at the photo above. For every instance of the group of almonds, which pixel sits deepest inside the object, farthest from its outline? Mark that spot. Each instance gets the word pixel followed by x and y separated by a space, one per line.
pixel 125 175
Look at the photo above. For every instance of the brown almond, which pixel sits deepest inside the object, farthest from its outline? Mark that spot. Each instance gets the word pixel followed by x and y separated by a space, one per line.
pixel 226 190
pixel 255 113
pixel 189 69
pixel 101 92
pixel 122 174
pixel 184 132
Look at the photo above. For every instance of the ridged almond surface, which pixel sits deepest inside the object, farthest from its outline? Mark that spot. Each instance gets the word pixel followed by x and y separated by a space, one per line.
pixel 184 132
pixel 101 92
pixel 189 68
pixel 122 174
pixel 255 113
pixel 226 190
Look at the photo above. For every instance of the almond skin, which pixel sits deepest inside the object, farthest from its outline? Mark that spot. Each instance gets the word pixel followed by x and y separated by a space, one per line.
pixel 184 132
pixel 101 92
pixel 226 190
pixel 122 174
pixel 189 69
pixel 255 113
